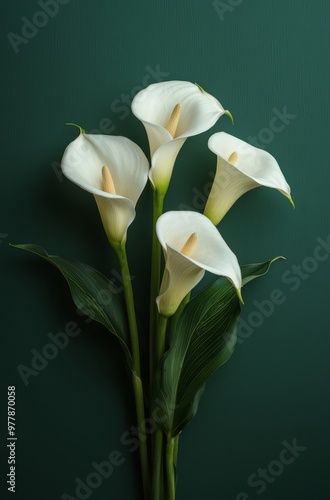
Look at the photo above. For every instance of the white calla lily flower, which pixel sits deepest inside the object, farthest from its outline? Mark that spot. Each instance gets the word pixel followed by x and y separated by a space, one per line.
pixel 191 246
pixel 171 112
pixel 240 168
pixel 113 169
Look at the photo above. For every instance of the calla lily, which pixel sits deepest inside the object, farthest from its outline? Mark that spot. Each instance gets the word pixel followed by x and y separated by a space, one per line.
pixel 240 168
pixel 191 246
pixel 171 112
pixel 115 171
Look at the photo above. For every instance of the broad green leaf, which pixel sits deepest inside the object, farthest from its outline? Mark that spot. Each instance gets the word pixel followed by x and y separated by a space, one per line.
pixel 204 339
pixel 94 294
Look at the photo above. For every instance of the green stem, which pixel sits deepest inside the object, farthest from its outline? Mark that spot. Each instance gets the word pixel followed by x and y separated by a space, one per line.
pixel 158 444
pixel 158 202
pixel 176 450
pixel 157 465
pixel 136 376
pixel 176 317
pixel 138 391
pixel 161 337
pixel 122 257
pixel 170 471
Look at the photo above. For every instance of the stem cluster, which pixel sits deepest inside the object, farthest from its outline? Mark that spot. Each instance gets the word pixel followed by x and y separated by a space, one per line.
pixel 158 456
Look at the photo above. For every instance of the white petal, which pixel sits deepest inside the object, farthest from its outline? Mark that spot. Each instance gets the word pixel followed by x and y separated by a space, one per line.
pixel 157 136
pixel 84 158
pixel 154 105
pixel 254 167
pixel 82 163
pixel 117 214
pixel 162 163
pixel 210 253
pixel 180 277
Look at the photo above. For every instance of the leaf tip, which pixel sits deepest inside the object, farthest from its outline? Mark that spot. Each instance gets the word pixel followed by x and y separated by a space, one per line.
pixel 277 258
pixel 82 131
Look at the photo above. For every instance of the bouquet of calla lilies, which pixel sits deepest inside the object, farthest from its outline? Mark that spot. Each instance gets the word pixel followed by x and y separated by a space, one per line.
pixel 189 336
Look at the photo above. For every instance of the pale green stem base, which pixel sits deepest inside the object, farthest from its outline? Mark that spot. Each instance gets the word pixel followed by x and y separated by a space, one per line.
pixel 176 450
pixel 170 470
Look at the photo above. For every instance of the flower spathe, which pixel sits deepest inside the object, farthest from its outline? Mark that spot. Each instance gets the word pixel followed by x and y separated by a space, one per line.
pixel 191 246
pixel 240 168
pixel 171 112
pixel 115 170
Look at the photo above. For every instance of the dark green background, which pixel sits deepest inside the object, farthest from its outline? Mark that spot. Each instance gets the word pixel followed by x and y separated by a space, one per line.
pixel 265 54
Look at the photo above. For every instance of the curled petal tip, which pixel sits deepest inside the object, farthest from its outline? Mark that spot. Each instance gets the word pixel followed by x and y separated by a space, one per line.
pixel 82 131
pixel 288 197
pixel 291 201
pixel 239 295
pixel 200 88
pixel 228 113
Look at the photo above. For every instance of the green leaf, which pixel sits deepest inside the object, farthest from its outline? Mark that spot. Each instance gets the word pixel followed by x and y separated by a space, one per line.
pixel 252 271
pixel 204 339
pixel 94 294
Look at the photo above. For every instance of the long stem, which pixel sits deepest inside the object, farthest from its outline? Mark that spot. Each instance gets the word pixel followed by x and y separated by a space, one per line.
pixel 137 382
pixel 122 257
pixel 170 471
pixel 139 403
pixel 158 202
pixel 158 444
